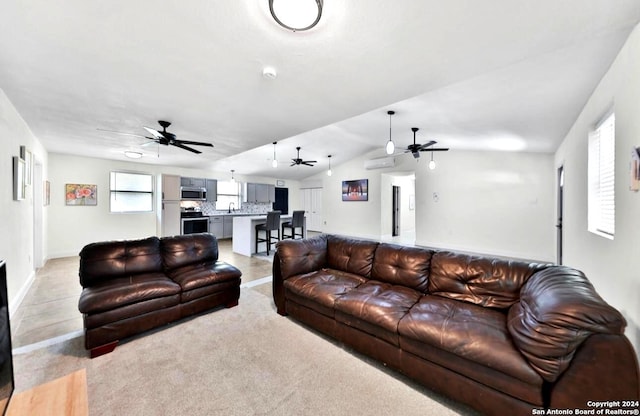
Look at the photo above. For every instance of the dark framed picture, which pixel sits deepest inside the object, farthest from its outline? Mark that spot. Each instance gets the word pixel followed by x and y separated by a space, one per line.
pixel 355 190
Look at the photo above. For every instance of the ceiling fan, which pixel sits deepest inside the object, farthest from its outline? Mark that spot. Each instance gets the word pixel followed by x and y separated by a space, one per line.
pixel 416 148
pixel 298 161
pixel 166 138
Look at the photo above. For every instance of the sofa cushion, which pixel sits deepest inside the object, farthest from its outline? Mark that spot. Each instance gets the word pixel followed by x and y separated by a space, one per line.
pixel 106 260
pixel 473 332
pixel 302 256
pixel 115 293
pixel 489 282
pixel 319 290
pixel 197 275
pixel 376 308
pixel 351 255
pixel 558 310
pixel 399 265
pixel 184 250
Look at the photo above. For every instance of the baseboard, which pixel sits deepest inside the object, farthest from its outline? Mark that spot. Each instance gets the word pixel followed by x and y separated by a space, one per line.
pixel 15 303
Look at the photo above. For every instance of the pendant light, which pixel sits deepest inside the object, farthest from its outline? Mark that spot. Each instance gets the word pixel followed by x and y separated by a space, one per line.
pixel 390 148
pixel 329 173
pixel 432 163
pixel 274 162
pixel 233 180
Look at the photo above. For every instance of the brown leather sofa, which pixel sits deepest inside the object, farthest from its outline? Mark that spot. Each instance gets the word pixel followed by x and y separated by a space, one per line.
pixel 502 336
pixel 136 285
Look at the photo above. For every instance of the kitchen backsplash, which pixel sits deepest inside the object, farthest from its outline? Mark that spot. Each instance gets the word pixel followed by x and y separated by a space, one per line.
pixel 209 208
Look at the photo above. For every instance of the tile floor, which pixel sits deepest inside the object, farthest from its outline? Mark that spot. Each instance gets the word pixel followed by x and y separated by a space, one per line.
pixel 50 307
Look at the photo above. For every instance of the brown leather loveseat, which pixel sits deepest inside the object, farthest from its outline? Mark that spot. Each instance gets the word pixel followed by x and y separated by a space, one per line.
pixel 136 285
pixel 502 336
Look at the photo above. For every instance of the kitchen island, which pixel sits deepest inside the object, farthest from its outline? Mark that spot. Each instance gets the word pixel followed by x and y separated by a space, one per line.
pixel 244 232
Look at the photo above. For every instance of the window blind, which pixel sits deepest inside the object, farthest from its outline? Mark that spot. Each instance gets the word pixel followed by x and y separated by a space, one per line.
pixel 601 172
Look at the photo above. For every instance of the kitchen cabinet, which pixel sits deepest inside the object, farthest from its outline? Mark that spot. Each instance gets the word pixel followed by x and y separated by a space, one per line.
pixel 212 190
pixel 170 218
pixel 216 226
pixel 227 228
pixel 193 182
pixel 171 188
pixel 260 192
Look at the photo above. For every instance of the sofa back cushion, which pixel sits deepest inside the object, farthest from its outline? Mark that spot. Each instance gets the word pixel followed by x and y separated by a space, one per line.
pixel 184 250
pixel 112 259
pixel 351 255
pixel 558 310
pixel 404 266
pixel 302 256
pixel 481 280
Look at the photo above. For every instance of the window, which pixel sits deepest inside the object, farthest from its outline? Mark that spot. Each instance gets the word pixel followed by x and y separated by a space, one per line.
pixel 228 192
pixel 601 171
pixel 131 192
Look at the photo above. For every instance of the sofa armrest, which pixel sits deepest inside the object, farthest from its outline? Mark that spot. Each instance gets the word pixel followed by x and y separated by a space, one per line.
pixel 558 309
pixel 294 257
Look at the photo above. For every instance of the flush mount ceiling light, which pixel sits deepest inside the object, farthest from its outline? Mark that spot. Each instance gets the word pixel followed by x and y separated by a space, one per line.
pixel 274 162
pixel 132 155
pixel 390 148
pixel 296 15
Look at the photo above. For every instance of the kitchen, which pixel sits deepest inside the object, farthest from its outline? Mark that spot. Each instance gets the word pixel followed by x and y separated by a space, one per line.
pixel 193 205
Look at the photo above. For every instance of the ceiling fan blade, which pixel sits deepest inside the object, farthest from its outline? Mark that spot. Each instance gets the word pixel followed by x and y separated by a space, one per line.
pixel 194 143
pixel 155 133
pixel 120 132
pixel 307 164
pixel 437 149
pixel 181 146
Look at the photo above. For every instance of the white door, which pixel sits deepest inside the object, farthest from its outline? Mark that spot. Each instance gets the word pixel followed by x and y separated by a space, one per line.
pixel 316 209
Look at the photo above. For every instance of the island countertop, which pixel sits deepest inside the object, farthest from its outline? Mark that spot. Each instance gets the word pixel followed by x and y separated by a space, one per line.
pixel 244 232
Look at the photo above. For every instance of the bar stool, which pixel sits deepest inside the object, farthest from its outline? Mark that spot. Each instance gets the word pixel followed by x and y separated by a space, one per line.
pixel 272 224
pixel 296 222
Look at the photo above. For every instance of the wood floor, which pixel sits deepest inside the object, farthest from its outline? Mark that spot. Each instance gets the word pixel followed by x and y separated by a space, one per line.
pixel 50 308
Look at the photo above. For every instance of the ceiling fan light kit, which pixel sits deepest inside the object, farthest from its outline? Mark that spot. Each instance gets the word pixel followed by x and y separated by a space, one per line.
pixel 296 15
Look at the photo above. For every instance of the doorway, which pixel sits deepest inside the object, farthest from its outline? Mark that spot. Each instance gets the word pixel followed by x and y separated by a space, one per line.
pixel 395 206
pixel 282 201
pixel 560 213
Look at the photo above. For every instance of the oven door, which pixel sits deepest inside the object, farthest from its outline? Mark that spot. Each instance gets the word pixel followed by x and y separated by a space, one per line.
pixel 195 225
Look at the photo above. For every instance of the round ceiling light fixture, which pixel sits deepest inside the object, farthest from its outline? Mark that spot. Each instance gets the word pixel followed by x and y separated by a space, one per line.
pixel 296 15
pixel 132 155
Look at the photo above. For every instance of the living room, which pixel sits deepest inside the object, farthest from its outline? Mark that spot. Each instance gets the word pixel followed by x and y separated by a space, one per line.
pixel 484 201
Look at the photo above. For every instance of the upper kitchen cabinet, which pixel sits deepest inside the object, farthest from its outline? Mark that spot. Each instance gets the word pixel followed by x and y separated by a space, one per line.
pixel 193 182
pixel 259 192
pixel 171 187
pixel 212 190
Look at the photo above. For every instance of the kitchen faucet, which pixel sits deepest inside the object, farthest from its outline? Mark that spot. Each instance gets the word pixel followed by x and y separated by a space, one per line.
pixel 234 207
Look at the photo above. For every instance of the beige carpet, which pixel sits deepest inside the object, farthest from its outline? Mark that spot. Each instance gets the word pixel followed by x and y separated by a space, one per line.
pixel 246 360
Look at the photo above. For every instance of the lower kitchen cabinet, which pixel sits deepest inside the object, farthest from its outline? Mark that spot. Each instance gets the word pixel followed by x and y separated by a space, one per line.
pixel 216 226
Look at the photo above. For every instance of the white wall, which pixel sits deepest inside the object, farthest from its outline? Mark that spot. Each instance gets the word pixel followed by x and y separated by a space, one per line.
pixel 72 227
pixel 16 217
pixel 498 203
pixel 612 265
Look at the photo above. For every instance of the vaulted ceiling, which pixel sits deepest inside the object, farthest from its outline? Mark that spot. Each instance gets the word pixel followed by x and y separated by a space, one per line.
pixel 493 74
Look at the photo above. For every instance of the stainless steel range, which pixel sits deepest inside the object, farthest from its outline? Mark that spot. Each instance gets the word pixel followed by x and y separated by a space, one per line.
pixel 192 221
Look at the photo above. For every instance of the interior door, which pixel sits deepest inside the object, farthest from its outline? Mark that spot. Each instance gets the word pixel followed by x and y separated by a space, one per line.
pixel 560 214
pixel 395 231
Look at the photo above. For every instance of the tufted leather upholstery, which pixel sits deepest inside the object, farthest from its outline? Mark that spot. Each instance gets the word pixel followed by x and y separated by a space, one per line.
pixel 135 285
pixel 497 334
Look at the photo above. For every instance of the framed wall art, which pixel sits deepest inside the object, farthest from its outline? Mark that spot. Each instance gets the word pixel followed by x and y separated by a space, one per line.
pixel 81 194
pixel 18 178
pixel 355 190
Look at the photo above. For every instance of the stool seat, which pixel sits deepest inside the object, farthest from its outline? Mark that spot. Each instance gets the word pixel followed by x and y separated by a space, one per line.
pixel 296 222
pixel 272 224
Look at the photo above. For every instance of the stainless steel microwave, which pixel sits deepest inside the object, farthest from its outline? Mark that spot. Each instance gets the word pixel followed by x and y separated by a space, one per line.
pixel 190 193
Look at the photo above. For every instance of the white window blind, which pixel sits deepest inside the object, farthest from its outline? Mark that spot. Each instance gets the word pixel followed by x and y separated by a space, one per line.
pixel 601 172
pixel 131 192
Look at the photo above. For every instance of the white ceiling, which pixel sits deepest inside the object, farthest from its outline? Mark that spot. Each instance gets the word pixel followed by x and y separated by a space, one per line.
pixel 496 74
